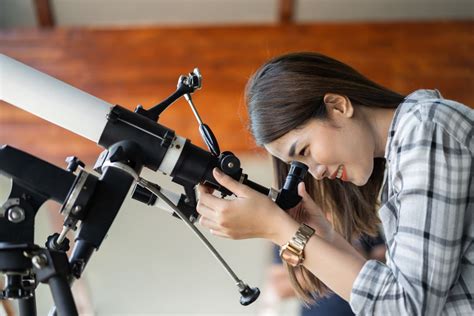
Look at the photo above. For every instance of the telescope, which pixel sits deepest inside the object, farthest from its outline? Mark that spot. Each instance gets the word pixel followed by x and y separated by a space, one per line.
pixel 90 201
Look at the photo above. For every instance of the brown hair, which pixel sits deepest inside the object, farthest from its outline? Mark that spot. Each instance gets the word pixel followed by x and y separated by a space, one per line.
pixel 287 92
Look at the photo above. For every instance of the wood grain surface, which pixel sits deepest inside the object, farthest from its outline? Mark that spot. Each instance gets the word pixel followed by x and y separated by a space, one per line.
pixel 141 66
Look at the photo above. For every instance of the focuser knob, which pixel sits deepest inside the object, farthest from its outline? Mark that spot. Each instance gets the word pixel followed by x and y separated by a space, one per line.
pixel 229 163
pixel 52 243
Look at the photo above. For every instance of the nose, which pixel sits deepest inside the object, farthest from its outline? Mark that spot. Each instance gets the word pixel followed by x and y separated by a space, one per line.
pixel 318 172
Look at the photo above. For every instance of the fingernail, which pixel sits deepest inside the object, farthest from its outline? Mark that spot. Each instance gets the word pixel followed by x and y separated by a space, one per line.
pixel 217 171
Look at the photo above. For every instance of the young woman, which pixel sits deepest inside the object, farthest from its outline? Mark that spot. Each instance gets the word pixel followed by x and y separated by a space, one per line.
pixel 314 109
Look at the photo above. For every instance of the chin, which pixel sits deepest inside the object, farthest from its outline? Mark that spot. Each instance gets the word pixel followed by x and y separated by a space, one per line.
pixel 362 177
pixel 360 182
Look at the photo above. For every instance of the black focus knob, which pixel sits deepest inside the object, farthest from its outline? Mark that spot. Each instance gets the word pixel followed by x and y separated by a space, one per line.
pixel 229 163
pixel 249 295
pixel 52 243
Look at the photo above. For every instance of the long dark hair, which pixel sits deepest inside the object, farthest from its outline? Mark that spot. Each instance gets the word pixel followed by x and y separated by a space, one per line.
pixel 287 92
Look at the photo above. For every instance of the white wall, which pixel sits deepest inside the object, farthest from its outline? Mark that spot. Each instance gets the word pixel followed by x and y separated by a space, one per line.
pixel 17 13
pixel 382 10
pixel 143 12
pixel 20 13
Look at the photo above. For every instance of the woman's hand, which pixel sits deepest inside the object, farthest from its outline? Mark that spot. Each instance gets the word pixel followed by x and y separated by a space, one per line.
pixel 250 215
pixel 311 214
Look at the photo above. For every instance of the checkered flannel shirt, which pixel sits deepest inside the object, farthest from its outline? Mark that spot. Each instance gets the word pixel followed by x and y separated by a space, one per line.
pixel 427 214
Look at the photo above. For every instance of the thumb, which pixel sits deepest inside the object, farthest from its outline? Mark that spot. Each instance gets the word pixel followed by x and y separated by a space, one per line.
pixel 306 200
pixel 302 212
pixel 229 183
pixel 302 191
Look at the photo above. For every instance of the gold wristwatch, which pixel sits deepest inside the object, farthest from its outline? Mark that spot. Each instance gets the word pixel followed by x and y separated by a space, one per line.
pixel 293 251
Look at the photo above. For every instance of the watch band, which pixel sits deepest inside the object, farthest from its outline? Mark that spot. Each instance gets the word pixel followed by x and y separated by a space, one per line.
pixel 293 251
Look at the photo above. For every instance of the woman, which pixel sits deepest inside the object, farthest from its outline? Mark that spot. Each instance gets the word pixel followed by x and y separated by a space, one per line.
pixel 319 111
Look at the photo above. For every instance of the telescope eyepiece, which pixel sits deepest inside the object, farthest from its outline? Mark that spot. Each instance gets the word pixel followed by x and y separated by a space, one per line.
pixel 296 174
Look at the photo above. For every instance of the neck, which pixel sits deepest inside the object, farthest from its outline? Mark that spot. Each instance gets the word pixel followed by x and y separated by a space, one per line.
pixel 379 120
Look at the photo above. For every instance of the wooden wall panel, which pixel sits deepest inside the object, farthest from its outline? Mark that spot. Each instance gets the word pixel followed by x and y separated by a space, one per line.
pixel 141 66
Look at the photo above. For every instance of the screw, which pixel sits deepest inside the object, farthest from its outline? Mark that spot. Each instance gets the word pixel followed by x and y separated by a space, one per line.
pixel 230 165
pixel 76 209
pixel 39 261
pixel 16 214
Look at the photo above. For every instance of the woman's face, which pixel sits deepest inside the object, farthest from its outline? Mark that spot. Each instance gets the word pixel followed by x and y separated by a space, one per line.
pixel 342 147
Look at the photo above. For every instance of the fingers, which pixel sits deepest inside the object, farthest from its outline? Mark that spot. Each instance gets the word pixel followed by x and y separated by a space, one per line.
pixel 208 207
pixel 208 223
pixel 235 187
pixel 206 188
pixel 214 228
pixel 210 200
pixel 208 217
pixel 205 211
pixel 219 233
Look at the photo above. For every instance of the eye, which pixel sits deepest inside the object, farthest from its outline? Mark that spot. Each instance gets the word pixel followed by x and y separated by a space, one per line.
pixel 303 151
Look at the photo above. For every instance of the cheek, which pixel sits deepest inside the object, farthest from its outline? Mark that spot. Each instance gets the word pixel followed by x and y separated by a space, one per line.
pixel 361 167
pixel 354 150
pixel 325 153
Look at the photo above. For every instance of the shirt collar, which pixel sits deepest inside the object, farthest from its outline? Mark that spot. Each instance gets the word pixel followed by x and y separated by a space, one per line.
pixel 404 107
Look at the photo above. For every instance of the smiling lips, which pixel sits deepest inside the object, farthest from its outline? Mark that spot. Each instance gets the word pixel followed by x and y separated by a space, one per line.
pixel 340 173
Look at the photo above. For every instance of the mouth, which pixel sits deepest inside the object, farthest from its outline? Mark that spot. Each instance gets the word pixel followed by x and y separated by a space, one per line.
pixel 340 173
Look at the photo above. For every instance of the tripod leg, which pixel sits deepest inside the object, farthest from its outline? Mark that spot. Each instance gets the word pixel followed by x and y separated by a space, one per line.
pixel 62 296
pixel 27 306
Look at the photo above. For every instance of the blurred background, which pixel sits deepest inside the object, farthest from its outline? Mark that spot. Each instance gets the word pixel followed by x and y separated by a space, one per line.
pixel 132 52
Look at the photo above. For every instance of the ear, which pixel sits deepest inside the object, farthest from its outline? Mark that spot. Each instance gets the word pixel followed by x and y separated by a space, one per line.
pixel 337 104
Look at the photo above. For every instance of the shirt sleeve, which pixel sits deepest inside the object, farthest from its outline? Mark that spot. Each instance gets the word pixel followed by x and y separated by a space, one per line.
pixel 432 173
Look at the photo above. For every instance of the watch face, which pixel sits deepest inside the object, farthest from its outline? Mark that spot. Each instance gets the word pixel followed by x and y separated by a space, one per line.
pixel 290 257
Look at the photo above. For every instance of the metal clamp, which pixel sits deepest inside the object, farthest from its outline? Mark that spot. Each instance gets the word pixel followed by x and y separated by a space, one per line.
pixel 71 201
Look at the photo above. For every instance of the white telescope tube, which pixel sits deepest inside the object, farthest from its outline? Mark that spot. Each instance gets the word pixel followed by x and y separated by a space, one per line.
pixel 52 99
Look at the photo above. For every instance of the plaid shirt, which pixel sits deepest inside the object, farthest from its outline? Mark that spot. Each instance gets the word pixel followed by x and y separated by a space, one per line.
pixel 427 214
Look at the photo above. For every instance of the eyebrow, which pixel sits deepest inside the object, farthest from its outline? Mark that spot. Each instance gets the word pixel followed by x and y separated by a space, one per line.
pixel 291 153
